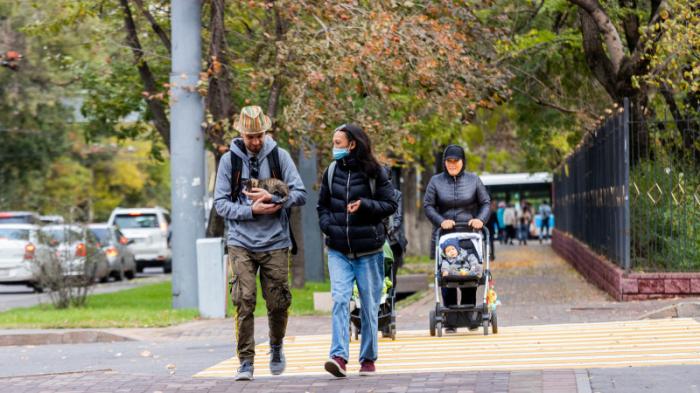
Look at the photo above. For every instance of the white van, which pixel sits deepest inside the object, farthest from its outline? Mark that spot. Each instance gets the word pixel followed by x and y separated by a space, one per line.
pixel 149 228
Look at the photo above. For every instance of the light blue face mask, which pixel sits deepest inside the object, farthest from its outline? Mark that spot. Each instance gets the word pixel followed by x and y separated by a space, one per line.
pixel 340 152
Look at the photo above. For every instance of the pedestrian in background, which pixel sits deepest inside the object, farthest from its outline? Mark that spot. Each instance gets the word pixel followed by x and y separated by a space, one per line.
pixel 258 233
pixel 501 223
pixel 524 225
pixel 545 212
pixel 510 217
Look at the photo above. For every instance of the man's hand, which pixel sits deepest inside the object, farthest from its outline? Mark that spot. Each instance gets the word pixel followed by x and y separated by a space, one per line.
pixel 448 224
pixel 255 194
pixel 354 206
pixel 476 223
pixel 260 207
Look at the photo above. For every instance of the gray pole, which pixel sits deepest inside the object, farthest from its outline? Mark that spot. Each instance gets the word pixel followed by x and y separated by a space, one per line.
pixel 314 261
pixel 186 150
pixel 626 179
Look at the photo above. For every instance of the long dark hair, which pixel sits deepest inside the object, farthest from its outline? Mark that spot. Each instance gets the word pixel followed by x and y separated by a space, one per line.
pixel 363 149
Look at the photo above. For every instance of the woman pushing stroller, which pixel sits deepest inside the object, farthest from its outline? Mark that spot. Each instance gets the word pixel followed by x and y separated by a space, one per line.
pixel 455 197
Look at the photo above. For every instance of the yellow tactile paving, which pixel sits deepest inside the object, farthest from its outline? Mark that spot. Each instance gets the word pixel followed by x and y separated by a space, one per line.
pixel 591 345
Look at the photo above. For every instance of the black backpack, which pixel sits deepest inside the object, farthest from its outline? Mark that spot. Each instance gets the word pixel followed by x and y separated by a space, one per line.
pixel 273 160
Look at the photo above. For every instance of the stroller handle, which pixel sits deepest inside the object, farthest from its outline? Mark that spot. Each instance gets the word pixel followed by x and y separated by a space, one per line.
pixel 462 227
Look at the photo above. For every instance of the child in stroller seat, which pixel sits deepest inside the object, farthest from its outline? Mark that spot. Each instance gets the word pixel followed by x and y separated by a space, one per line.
pixel 459 261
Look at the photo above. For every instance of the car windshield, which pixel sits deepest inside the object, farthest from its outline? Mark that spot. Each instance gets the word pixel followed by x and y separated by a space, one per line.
pixel 129 221
pixel 102 234
pixel 14 234
pixel 62 235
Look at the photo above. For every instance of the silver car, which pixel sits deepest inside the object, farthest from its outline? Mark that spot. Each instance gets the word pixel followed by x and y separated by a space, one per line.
pixel 72 245
pixel 149 228
pixel 121 260
pixel 18 249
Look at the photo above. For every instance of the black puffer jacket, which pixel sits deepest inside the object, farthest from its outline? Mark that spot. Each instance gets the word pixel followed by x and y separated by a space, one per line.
pixel 363 231
pixel 459 198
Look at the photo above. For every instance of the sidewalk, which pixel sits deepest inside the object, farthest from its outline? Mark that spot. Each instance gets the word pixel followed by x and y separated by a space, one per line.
pixel 548 381
pixel 535 286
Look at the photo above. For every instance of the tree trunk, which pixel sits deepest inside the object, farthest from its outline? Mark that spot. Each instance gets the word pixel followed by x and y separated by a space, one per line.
pixel 218 99
pixel 418 228
pixel 156 107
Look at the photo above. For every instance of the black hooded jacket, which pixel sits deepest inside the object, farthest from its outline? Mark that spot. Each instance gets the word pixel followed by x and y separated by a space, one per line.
pixel 459 198
pixel 361 232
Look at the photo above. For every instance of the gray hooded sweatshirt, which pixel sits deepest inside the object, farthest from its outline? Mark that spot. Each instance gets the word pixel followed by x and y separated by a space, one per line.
pixel 259 233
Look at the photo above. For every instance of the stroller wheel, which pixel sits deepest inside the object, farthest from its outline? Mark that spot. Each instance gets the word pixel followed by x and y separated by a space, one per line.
pixel 393 333
pixel 431 321
pixel 356 332
pixel 486 328
pixel 438 327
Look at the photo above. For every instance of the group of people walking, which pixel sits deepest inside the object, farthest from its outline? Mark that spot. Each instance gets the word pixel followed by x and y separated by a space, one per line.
pixel 356 199
pixel 514 224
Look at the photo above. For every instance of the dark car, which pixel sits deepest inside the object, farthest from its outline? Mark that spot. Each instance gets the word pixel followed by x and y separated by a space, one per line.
pixel 114 243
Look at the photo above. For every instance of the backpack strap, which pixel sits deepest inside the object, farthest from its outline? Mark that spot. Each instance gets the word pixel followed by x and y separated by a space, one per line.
pixel 274 161
pixel 331 171
pixel 236 170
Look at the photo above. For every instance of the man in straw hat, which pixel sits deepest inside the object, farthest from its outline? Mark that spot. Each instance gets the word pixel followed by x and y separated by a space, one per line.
pixel 258 233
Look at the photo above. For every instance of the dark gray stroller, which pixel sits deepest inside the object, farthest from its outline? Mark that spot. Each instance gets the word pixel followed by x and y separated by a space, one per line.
pixel 470 316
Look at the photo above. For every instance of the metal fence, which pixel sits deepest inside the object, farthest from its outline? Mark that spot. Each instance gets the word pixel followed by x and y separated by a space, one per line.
pixel 631 191
pixel 591 192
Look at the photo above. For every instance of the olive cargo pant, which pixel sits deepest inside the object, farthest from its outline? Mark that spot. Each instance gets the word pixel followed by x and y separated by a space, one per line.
pixel 274 270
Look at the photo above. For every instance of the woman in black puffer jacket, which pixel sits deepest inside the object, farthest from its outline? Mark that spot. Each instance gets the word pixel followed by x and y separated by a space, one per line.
pixel 350 214
pixel 455 197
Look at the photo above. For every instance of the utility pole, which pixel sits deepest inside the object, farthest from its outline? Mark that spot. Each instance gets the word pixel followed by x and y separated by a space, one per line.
pixel 186 149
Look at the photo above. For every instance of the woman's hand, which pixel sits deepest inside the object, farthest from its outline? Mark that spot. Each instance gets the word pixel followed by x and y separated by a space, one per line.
pixel 476 223
pixel 448 224
pixel 354 206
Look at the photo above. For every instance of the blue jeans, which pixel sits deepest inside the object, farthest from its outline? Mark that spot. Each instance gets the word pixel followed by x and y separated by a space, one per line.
pixel 368 271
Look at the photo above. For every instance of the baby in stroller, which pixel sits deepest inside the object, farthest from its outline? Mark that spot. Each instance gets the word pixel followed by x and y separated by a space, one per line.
pixel 459 261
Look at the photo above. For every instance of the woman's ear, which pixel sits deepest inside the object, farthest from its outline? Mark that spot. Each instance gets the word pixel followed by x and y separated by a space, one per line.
pixel 352 145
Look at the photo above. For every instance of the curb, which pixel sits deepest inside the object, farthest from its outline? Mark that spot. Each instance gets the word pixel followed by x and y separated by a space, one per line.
pixel 72 337
pixel 679 310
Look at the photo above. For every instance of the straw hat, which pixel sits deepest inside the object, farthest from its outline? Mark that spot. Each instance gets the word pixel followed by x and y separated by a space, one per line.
pixel 252 120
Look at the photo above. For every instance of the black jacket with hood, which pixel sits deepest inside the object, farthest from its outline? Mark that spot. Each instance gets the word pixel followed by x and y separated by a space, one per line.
pixel 459 198
pixel 362 232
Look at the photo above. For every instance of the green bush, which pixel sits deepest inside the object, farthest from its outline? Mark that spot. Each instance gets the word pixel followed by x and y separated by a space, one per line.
pixel 665 215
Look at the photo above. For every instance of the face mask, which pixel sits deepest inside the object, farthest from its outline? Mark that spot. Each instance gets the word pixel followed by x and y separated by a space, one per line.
pixel 340 153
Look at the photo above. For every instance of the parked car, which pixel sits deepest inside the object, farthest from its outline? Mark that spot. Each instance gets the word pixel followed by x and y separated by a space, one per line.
pixel 122 262
pixel 73 244
pixel 18 246
pixel 19 217
pixel 149 228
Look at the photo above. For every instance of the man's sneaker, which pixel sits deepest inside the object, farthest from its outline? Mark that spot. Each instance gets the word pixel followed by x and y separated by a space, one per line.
pixel 367 368
pixel 277 360
pixel 336 366
pixel 245 372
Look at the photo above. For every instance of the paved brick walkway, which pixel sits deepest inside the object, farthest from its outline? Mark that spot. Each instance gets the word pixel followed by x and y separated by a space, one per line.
pixel 536 287
pixel 548 381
